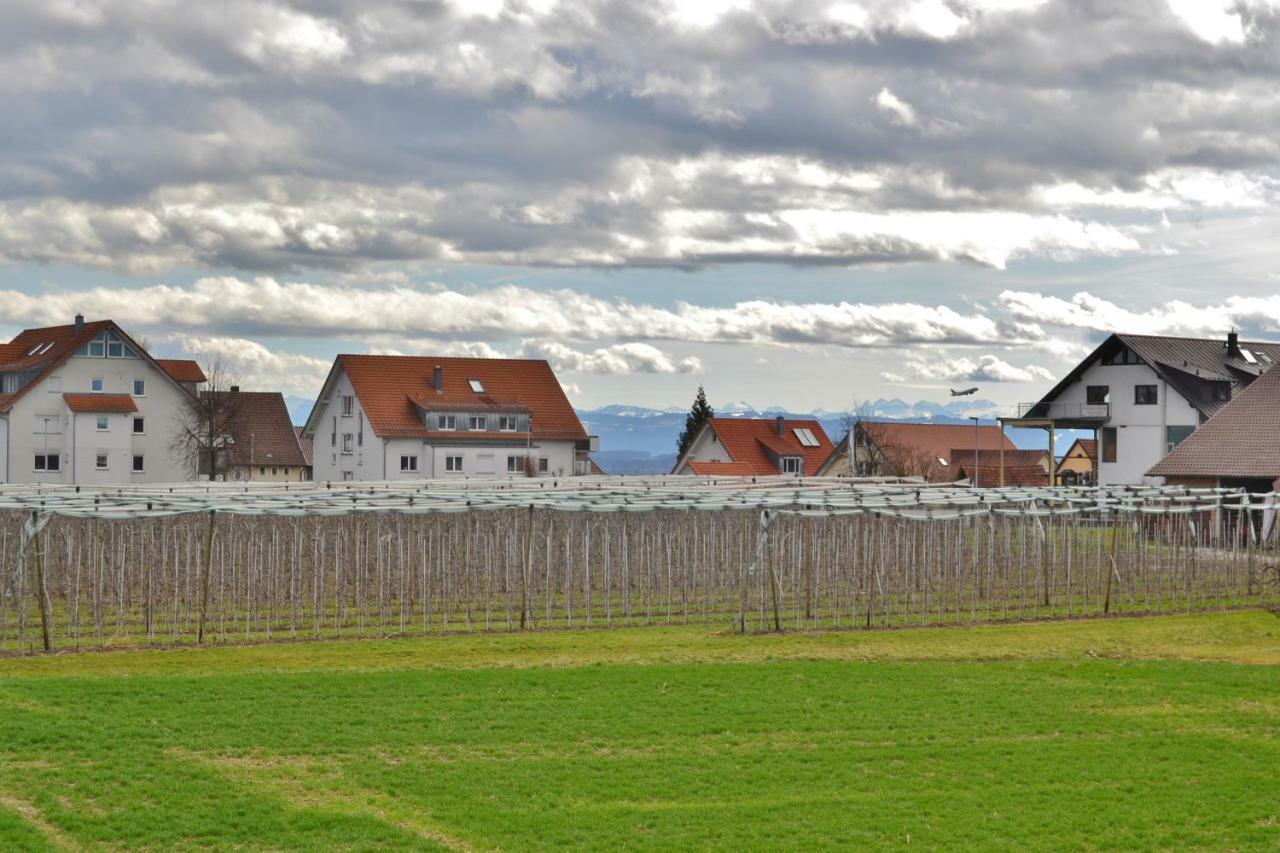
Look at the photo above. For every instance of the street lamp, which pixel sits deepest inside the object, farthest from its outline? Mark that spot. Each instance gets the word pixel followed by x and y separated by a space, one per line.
pixel 974 418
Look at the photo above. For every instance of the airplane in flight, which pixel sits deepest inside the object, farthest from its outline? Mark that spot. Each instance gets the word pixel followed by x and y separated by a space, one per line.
pixel 965 393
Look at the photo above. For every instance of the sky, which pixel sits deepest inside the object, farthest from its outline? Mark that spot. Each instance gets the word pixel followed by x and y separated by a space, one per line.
pixel 800 203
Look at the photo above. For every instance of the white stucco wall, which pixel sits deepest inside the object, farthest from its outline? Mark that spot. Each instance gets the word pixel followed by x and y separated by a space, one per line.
pixel 1140 430
pixel 75 434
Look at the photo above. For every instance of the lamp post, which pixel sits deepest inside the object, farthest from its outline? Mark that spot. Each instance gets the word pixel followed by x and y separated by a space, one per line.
pixel 974 418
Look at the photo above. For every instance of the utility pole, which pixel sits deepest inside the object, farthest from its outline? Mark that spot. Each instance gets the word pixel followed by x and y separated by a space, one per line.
pixel 974 418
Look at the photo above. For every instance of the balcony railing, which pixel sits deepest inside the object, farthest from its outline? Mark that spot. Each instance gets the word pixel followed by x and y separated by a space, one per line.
pixel 1060 411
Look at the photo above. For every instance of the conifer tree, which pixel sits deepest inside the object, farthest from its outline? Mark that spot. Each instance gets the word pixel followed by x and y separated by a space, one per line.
pixel 698 415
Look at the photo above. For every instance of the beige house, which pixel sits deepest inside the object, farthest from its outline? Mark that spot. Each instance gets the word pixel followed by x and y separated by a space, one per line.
pixel 1079 465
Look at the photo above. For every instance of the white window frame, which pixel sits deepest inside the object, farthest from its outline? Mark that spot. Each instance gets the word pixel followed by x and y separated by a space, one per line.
pixel 792 465
pixel 544 465
pixel 138 382
pixel 515 464
pixel 347 444
pixel 101 462
pixel 453 464
pixel 507 423
pixel 53 455
pixel 348 404
pixel 478 423
pixel 408 463
pixel 446 423
pixel 99 382
pixel 139 422
pixel 139 463
pixel 102 423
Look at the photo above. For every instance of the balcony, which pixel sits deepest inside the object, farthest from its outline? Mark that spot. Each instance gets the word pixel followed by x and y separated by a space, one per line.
pixel 1086 415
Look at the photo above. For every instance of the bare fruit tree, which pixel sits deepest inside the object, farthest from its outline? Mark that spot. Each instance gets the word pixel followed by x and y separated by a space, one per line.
pixel 874 451
pixel 207 423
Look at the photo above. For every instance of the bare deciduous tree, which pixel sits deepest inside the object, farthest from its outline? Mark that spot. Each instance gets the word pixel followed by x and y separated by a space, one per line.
pixel 207 423
pixel 875 452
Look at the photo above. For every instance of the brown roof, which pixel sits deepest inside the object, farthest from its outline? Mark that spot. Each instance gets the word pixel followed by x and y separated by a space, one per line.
pixel 307 444
pixel 392 388
pixel 182 369
pixel 100 403
pixel 1014 475
pixel 937 440
pixel 1241 440
pixel 749 441
pixel 263 431
pixel 992 457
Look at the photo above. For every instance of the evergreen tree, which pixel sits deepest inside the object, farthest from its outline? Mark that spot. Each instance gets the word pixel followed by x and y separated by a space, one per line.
pixel 698 416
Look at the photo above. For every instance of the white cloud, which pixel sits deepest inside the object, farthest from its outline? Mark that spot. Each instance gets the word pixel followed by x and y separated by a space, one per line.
pixel 898 110
pixel 1215 21
pixel 949 367
pixel 254 366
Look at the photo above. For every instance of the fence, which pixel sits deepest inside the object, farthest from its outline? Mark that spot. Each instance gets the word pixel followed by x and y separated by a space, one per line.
pixel 212 563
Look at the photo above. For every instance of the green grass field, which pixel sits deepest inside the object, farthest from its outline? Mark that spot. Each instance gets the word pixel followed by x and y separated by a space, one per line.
pixel 1124 733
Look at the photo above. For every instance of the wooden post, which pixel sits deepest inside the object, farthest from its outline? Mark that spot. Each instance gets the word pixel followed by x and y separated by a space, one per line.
pixel 526 573
pixel 42 589
pixel 1115 534
pixel 1053 457
pixel 742 604
pixel 204 582
pixel 773 577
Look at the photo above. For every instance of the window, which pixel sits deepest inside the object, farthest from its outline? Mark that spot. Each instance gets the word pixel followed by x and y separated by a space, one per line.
pixel 50 462
pixel 360 432
pixel 348 404
pixel 506 423
pixel 97 347
pixel 139 387
pixel 453 463
pixel 100 461
pixel 791 464
pixel 1174 435
pixel 115 349
pixel 1124 356
pixel 103 423
pixel 262 470
pixel 138 463
pixel 476 385
pixel 1109 437
pixel 479 423
pixel 274 471
pixel 95 385
pixel 1097 395
pixel 1221 391
pixel 333 436
pixel 447 422
pixel 408 463
pixel 1144 395
pixel 346 442
pixel 347 476
pixel 1249 356
pixel 139 426
pixel 543 466
pixel 515 464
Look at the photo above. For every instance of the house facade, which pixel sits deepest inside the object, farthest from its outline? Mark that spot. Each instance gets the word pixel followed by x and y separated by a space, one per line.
pixel 263 445
pixel 384 417
pixel 756 447
pixel 1142 395
pixel 1077 467
pixel 85 404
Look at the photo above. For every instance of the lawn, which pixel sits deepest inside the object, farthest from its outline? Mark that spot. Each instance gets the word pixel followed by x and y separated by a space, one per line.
pixel 1121 733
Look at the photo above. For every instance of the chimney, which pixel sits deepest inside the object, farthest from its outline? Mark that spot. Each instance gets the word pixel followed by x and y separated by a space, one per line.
pixel 1233 344
pixel 235 389
pixel 780 427
pixel 79 324
pixel 437 378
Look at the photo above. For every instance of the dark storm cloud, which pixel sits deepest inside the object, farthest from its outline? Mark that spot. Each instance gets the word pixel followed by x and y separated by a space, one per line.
pixel 269 135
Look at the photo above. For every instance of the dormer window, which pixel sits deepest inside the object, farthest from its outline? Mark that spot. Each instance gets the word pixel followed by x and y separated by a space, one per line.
pixel 479 423
pixel 446 423
pixel 476 385
pixel 791 464
pixel 506 423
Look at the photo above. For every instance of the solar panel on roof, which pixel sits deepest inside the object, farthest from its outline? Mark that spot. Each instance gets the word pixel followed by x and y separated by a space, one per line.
pixel 805 437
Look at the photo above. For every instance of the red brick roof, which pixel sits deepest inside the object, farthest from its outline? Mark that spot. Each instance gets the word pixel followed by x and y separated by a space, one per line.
pixel 262 429
pixel 724 469
pixel 1241 441
pixel 389 385
pixel 100 403
pixel 182 369
pixel 992 457
pixel 307 444
pixel 748 441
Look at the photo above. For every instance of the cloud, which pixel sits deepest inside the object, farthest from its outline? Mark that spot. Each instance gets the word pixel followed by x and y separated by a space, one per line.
pixel 617 360
pixel 261 135
pixel 254 366
pixel 951 368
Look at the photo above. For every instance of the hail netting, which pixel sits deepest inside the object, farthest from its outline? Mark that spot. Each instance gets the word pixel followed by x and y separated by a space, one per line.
pixel 200 563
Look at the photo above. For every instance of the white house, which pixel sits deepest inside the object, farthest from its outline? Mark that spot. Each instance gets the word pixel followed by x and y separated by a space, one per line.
pixel 384 417
pixel 84 403
pixel 1142 395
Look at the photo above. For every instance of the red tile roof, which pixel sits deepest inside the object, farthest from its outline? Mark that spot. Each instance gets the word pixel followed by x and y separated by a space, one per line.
pixel 262 429
pixel 100 403
pixel 388 385
pixel 992 457
pixel 724 469
pixel 749 441
pixel 937 440
pixel 1241 441
pixel 307 444
pixel 182 370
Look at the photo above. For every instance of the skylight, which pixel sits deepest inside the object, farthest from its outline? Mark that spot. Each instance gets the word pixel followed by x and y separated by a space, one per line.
pixel 476 385
pixel 1249 356
pixel 805 437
